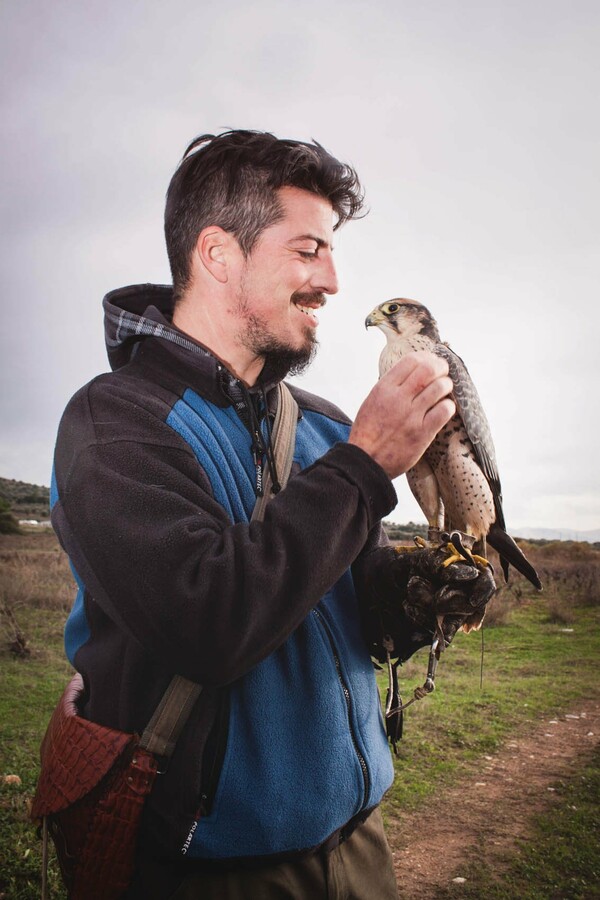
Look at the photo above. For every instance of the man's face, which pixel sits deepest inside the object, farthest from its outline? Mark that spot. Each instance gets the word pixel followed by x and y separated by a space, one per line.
pixel 283 282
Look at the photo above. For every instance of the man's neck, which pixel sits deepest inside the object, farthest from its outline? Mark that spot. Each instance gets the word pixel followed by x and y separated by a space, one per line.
pixel 201 322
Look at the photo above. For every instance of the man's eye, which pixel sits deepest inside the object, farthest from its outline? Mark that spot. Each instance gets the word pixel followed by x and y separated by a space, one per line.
pixel 307 254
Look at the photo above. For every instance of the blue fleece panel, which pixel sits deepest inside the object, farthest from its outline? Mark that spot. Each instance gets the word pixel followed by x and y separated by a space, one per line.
pixel 219 440
pixel 289 725
pixel 53 488
pixel 291 722
pixel 77 631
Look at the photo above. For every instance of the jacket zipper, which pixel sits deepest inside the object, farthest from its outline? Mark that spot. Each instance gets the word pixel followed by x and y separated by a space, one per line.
pixel 211 768
pixel 345 689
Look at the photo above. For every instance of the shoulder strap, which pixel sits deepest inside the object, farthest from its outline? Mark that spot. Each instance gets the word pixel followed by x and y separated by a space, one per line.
pixel 284 434
pixel 171 714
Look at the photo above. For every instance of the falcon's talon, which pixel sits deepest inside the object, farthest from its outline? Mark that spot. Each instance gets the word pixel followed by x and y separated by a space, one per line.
pixel 420 544
pixel 462 546
pixel 454 556
pixel 459 553
pixel 483 562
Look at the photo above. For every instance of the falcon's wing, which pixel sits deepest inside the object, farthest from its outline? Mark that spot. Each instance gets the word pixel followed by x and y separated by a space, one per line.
pixel 475 421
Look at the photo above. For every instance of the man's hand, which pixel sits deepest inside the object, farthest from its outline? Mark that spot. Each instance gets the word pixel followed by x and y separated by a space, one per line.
pixel 445 598
pixel 403 594
pixel 404 412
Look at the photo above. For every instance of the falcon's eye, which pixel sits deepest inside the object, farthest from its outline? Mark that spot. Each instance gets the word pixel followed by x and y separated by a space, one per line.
pixel 393 307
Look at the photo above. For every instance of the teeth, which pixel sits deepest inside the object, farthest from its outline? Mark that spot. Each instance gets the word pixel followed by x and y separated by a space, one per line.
pixel 306 310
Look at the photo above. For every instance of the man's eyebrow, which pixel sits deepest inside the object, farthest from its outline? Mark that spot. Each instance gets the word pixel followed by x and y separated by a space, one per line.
pixel 312 237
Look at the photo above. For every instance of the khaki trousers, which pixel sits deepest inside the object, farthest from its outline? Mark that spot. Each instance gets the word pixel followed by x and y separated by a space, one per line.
pixel 361 868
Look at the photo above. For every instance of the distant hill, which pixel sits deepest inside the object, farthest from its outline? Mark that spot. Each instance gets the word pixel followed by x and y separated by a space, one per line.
pixel 27 501
pixel 558 534
pixel 397 532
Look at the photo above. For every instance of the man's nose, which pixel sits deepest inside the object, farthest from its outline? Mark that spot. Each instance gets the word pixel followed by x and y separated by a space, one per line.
pixel 326 276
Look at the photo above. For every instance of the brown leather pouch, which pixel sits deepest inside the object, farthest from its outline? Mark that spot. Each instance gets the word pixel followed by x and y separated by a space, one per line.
pixel 92 787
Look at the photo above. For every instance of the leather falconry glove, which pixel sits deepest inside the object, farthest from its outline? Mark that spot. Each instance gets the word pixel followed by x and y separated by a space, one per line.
pixel 412 595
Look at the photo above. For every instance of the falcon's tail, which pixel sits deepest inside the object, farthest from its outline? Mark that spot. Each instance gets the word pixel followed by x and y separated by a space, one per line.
pixel 511 554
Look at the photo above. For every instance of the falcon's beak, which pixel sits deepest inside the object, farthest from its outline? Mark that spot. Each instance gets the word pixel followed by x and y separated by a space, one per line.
pixel 375 317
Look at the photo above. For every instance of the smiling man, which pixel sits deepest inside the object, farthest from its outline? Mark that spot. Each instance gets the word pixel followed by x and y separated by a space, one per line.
pixel 263 306
pixel 274 786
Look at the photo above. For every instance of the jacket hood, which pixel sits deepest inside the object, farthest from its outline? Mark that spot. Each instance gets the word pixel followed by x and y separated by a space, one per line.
pixel 136 312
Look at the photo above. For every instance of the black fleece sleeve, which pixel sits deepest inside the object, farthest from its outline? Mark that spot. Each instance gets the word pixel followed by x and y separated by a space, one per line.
pixel 381 587
pixel 159 555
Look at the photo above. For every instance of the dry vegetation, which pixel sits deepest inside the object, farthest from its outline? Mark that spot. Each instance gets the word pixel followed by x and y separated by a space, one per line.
pixel 35 571
pixel 570 573
pixel 34 574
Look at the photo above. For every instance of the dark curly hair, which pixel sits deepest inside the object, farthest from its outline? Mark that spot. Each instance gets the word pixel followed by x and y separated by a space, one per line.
pixel 231 180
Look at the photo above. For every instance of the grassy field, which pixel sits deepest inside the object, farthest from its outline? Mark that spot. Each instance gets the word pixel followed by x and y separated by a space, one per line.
pixel 532 667
pixel 541 654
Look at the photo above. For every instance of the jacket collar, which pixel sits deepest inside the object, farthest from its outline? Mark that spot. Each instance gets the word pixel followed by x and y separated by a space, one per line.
pixel 138 318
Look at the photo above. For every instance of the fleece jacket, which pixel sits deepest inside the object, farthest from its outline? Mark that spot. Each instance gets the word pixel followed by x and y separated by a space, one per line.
pixel 152 494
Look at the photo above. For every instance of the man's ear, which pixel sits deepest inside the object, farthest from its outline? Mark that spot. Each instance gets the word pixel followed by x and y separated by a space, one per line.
pixel 215 252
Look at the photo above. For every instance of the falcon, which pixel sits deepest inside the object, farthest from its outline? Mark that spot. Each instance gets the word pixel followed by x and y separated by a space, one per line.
pixel 456 481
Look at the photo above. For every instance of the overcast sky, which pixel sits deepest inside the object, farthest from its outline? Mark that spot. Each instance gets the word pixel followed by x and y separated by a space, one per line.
pixel 473 125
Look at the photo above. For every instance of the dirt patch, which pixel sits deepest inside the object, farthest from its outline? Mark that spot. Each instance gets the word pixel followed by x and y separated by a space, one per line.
pixel 493 807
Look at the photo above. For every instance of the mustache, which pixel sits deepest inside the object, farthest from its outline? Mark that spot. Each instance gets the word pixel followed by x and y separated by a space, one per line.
pixel 309 297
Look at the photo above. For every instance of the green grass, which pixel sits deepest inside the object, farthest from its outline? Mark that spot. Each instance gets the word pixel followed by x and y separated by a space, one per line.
pixel 30 689
pixel 531 669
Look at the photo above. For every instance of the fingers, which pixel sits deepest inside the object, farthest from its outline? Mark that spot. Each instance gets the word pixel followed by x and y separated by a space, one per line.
pixel 425 377
pixel 404 412
pixel 417 371
pixel 484 589
pixel 459 593
pixel 457 572
pixel 438 416
pixel 437 406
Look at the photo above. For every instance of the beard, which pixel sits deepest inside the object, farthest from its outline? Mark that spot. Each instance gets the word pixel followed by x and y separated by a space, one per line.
pixel 280 359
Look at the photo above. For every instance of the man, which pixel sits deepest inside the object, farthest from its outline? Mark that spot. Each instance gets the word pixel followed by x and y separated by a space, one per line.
pixel 274 785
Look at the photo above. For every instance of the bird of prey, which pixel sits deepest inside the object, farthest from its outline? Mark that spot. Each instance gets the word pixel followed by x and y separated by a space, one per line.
pixel 456 481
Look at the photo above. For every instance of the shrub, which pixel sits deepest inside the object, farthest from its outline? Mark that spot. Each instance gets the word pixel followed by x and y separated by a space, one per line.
pixel 8 523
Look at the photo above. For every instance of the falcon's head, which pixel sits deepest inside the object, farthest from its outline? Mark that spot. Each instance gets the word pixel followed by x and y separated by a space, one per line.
pixel 405 318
